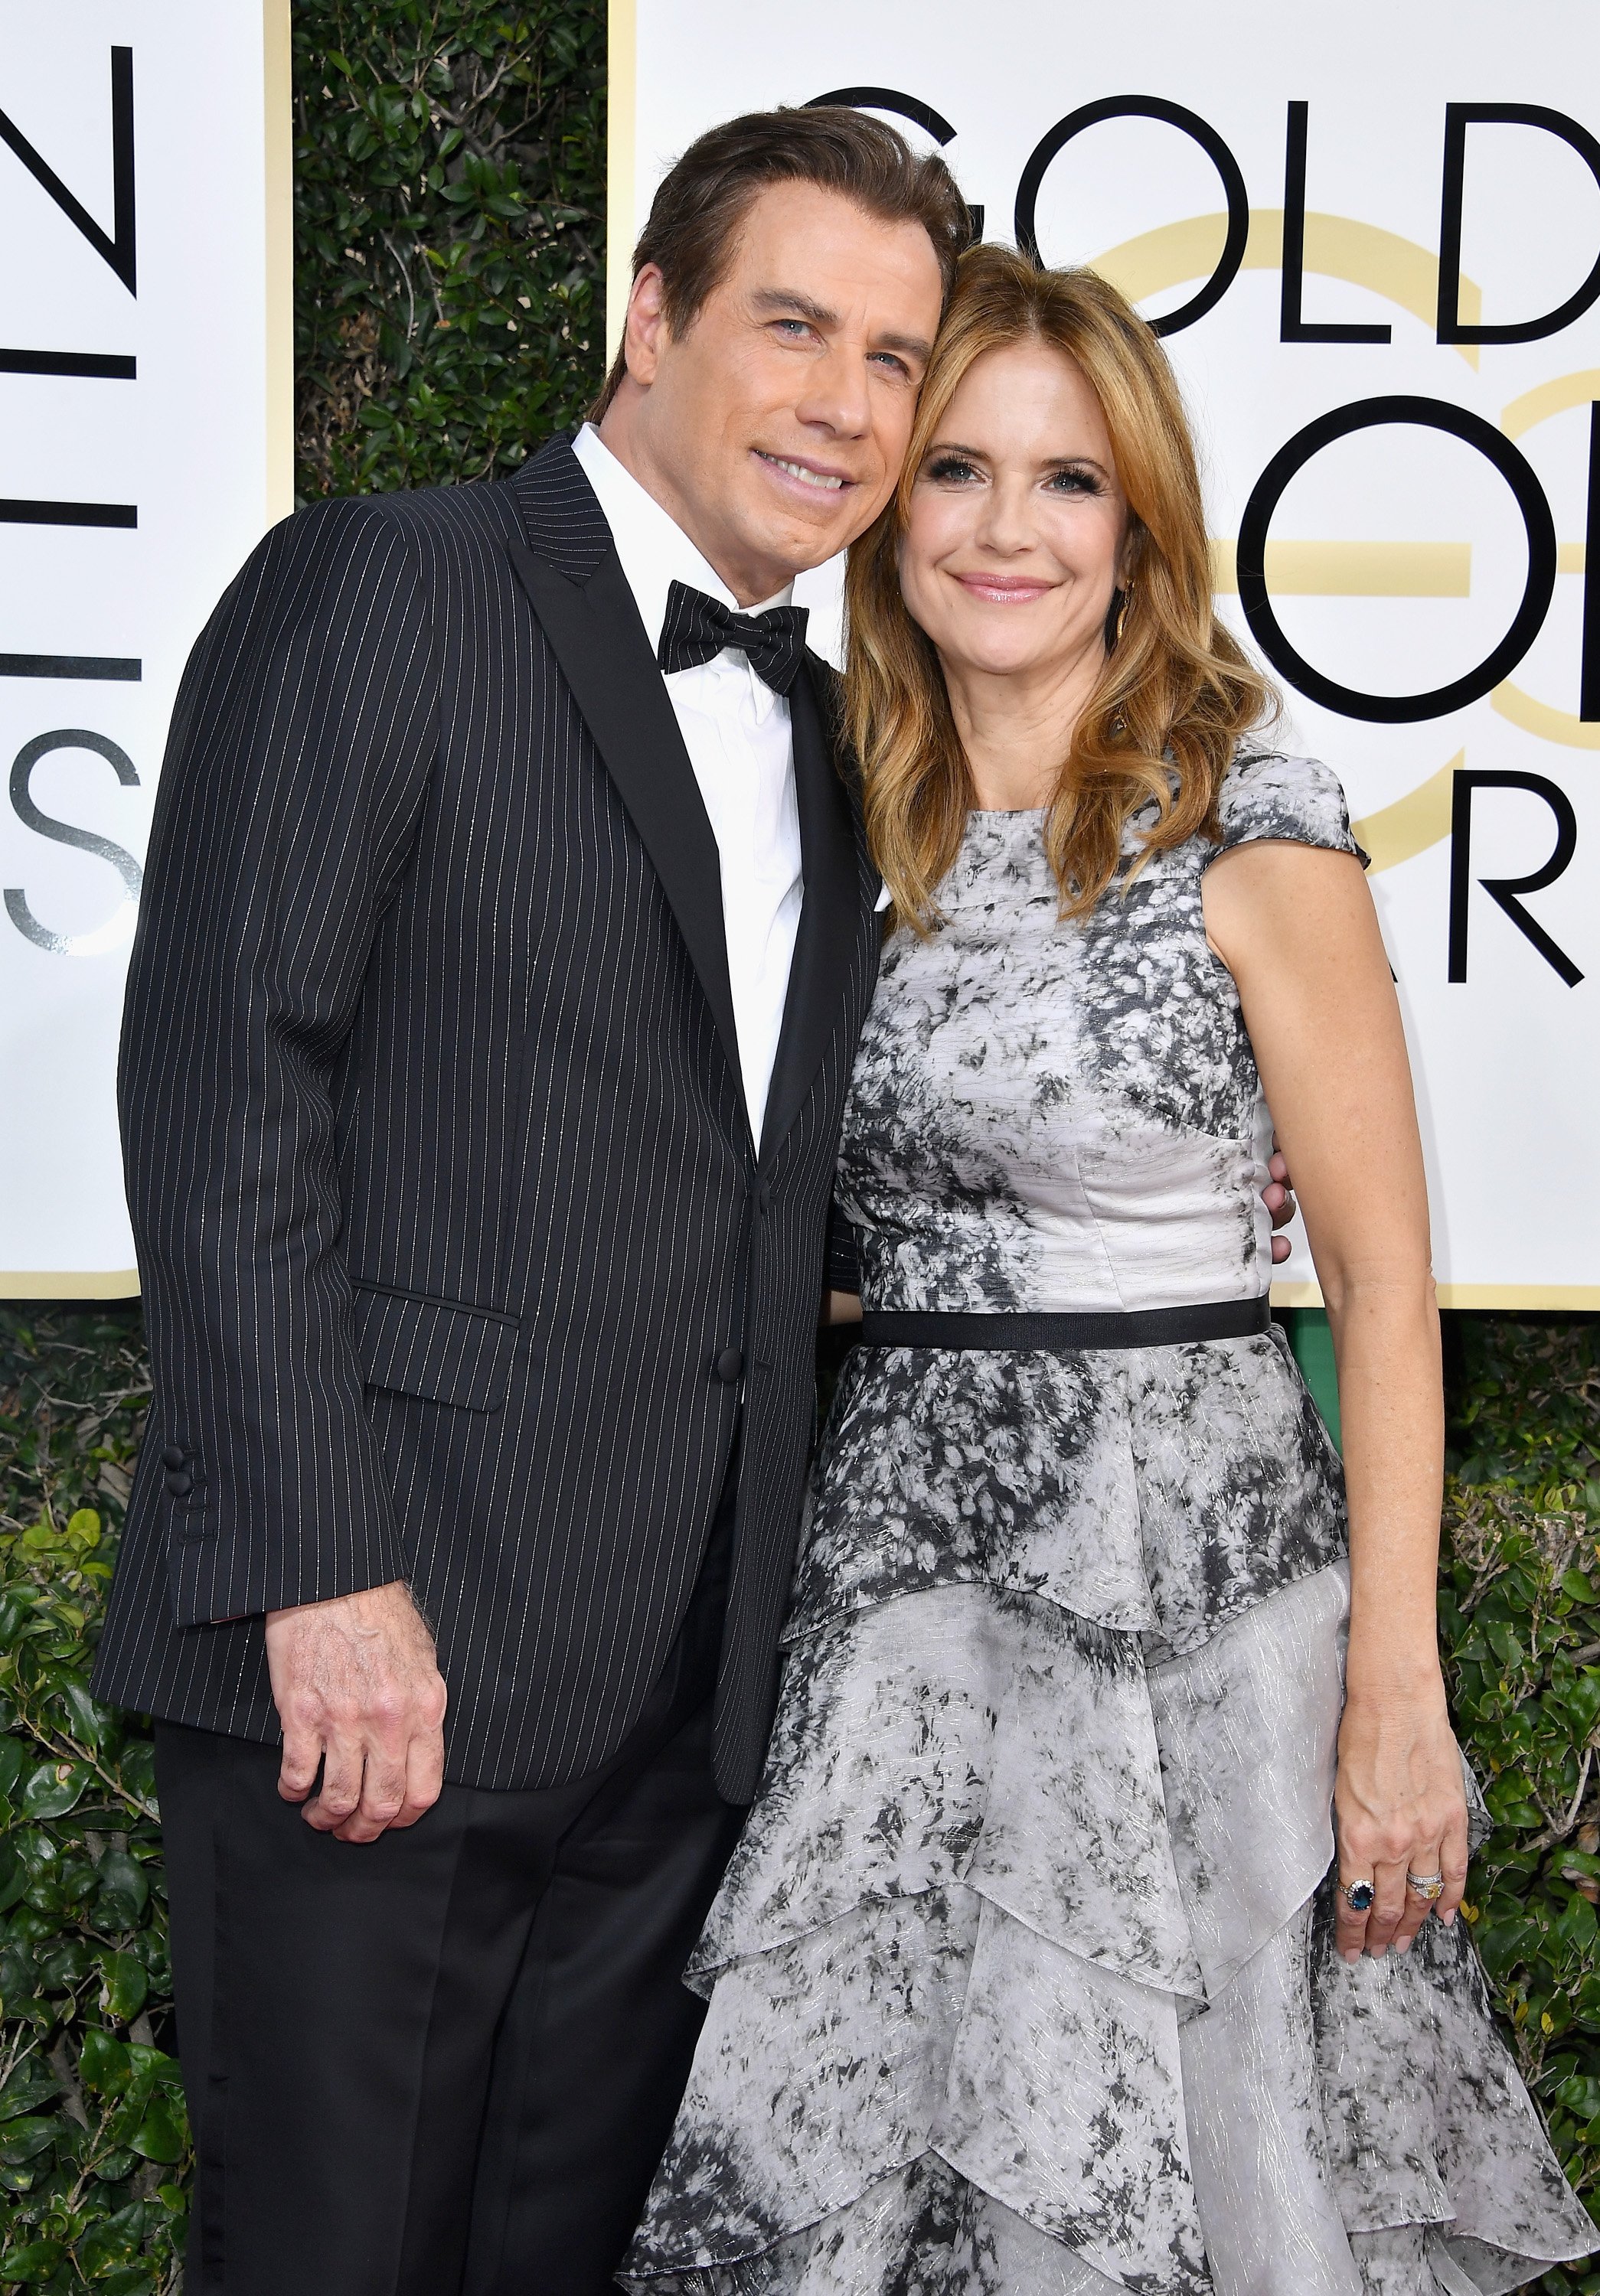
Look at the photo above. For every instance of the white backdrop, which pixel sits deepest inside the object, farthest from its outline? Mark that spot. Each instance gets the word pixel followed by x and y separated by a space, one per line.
pixel 144 446
pixel 1398 554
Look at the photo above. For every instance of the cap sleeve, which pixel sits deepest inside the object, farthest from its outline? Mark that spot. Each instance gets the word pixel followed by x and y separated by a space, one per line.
pixel 1299 799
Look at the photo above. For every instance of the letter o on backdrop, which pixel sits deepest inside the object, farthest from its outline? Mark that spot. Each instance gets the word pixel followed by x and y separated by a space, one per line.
pixel 1371 414
pixel 1175 115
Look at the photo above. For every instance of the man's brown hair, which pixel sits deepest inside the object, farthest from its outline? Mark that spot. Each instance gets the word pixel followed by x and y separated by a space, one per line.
pixel 705 196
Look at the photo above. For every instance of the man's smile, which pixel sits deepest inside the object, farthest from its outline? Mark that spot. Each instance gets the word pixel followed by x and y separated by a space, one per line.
pixel 816 478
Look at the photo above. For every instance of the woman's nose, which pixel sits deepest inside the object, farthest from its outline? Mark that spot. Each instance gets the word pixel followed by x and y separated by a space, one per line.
pixel 1004 524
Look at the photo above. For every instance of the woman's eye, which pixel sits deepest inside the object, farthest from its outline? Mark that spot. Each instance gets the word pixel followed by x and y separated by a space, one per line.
pixel 951 470
pixel 1074 482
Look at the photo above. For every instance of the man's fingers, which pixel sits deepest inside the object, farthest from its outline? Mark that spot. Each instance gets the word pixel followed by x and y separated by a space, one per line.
pixel 1281 1249
pixel 341 1793
pixel 382 1794
pixel 302 1759
pixel 424 1775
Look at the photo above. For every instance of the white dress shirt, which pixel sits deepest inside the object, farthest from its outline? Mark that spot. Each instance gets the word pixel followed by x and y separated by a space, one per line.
pixel 741 745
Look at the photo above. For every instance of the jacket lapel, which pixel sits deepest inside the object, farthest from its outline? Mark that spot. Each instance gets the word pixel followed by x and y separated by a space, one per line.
pixel 571 572
pixel 830 925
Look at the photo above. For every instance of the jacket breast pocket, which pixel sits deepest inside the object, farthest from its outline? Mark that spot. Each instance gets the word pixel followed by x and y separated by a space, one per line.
pixel 434 1348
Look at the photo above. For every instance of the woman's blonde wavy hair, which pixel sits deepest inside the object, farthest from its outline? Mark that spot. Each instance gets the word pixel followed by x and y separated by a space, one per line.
pixel 1176 693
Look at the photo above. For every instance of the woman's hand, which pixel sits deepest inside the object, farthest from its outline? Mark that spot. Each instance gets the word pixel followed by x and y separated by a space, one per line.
pixel 1399 1808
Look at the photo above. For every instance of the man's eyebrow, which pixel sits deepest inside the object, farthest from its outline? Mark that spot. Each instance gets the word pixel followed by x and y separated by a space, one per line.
pixel 789 302
pixel 916 347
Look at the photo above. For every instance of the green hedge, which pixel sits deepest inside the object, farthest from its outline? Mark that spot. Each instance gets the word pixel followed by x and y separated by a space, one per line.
pixel 449 172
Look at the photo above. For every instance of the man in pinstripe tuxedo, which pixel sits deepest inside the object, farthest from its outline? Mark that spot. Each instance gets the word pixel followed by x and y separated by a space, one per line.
pixel 507 932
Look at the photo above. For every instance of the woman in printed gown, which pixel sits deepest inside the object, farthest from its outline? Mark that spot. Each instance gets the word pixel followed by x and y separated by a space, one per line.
pixel 1096 1924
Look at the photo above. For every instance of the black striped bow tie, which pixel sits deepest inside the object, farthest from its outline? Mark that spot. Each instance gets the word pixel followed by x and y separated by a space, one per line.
pixel 697 628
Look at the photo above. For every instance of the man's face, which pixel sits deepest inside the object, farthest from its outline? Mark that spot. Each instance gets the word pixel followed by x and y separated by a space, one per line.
pixel 774 429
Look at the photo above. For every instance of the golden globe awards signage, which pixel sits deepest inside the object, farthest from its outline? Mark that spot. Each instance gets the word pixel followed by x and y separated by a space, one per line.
pixel 1371 238
pixel 145 443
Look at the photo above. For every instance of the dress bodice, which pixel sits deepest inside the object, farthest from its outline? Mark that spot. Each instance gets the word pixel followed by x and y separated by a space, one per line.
pixel 1054 1116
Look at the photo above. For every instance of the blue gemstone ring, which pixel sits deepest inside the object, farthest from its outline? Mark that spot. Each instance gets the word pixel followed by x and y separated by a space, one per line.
pixel 1357 1896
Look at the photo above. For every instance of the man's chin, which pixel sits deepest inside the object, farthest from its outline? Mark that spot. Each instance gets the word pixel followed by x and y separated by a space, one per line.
pixel 796 543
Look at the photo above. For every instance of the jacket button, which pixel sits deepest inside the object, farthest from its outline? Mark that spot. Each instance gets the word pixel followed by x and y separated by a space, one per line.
pixel 730 1366
pixel 180 1485
pixel 174 1456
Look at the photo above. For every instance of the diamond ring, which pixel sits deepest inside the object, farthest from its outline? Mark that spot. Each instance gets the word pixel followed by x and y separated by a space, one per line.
pixel 1426 1885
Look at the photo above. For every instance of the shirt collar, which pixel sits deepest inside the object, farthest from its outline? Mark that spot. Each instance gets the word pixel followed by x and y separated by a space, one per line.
pixel 654 550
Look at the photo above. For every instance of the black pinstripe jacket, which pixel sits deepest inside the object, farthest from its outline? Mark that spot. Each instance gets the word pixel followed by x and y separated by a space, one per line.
pixel 448 1212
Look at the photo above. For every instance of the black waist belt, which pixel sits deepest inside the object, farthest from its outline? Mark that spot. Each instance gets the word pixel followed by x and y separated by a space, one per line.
pixel 1098 1327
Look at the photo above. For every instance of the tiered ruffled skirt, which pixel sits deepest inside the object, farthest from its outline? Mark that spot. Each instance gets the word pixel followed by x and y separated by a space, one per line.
pixel 1021 1982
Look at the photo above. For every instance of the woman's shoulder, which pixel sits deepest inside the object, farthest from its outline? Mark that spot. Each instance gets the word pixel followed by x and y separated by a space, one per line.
pixel 1267 793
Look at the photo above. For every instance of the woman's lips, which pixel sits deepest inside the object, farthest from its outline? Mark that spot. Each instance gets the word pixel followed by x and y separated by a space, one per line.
pixel 999 591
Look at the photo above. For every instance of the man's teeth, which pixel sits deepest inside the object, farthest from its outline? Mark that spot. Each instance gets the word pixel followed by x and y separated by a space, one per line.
pixel 808 477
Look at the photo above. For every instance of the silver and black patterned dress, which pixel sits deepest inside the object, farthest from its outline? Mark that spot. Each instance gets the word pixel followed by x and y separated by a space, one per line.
pixel 1022 1980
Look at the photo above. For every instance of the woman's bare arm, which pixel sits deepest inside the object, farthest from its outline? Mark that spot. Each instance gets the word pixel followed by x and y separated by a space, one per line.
pixel 1296 927
pixel 841 1307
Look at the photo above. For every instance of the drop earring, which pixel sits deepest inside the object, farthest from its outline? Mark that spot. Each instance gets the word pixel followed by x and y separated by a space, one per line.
pixel 1126 600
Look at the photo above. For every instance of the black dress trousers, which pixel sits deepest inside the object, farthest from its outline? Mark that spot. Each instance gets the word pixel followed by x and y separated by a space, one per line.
pixel 446 2061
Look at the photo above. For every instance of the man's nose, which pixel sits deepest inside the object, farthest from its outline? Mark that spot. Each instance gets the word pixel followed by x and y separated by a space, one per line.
pixel 836 395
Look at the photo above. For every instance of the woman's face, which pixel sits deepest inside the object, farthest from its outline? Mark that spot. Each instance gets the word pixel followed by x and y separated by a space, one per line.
pixel 1017 526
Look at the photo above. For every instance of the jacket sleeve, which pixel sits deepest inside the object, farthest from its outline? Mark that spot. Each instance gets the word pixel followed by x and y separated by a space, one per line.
pixel 841 1260
pixel 294 778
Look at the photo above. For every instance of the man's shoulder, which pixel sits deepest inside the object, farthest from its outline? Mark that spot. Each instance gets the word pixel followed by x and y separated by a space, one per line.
pixel 480 505
pixel 488 508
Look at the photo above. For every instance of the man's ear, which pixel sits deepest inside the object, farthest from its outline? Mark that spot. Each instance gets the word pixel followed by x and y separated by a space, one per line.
pixel 646 329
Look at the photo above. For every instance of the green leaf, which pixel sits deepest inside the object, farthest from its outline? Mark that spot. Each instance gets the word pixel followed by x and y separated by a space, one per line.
pixel 32 2082
pixel 103 2063
pixel 136 1768
pixel 124 1890
pixel 55 1788
pixel 41 2259
pixel 125 1987
pixel 91 1723
pixel 13 1759
pixel 14 1876
pixel 25 2139
pixel 114 2240
pixel 161 2136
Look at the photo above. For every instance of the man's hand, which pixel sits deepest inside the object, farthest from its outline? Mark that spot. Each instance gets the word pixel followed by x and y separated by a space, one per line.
pixel 359 1694
pixel 1278 1196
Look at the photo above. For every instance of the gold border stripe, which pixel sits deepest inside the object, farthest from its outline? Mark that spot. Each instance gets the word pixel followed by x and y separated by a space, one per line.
pixel 1558 1298
pixel 622 34
pixel 121 1284
pixel 278 85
